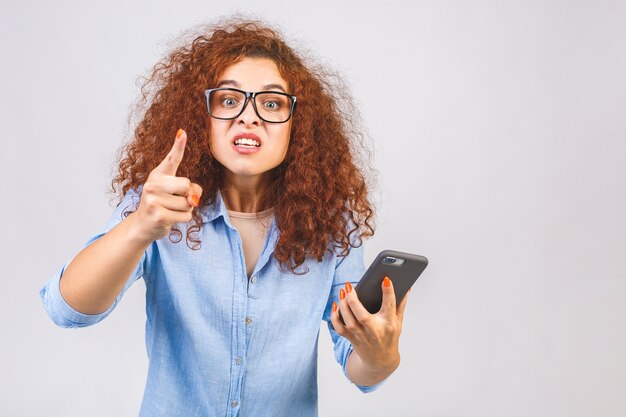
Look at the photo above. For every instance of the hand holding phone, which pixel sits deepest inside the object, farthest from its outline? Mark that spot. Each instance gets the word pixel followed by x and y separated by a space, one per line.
pixel 402 268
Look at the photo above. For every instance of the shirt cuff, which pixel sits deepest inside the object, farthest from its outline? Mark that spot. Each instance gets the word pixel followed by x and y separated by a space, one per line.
pixel 362 388
pixel 61 313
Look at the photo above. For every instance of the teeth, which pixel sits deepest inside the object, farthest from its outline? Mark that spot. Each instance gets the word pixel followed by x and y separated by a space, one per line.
pixel 246 141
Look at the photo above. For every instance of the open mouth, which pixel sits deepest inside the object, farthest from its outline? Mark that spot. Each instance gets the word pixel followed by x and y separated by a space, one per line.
pixel 247 143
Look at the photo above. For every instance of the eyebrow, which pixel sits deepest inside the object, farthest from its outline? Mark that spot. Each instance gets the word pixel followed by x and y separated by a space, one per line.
pixel 265 87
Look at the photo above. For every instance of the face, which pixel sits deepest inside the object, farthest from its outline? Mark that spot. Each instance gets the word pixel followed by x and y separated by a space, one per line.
pixel 250 163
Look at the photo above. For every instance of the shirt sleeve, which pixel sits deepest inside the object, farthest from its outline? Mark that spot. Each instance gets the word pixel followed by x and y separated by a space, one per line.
pixel 348 268
pixel 61 313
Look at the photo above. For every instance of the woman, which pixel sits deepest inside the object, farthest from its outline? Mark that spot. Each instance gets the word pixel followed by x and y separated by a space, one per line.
pixel 263 183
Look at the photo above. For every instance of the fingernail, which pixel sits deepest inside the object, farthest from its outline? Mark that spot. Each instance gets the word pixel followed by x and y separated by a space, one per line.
pixel 387 282
pixel 179 133
pixel 334 306
pixel 342 294
pixel 348 287
pixel 196 199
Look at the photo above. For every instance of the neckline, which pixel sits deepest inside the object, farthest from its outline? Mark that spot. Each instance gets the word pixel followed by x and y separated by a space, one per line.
pixel 259 215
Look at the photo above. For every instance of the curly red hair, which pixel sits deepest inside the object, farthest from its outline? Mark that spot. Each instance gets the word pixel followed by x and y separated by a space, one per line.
pixel 319 194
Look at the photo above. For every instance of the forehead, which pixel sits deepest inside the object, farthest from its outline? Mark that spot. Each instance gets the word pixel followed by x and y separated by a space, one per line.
pixel 253 74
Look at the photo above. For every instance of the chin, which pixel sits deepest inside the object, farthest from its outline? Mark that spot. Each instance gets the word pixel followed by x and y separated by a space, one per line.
pixel 244 171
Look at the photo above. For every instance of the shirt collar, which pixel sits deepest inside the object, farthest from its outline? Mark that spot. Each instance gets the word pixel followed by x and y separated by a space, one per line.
pixel 211 212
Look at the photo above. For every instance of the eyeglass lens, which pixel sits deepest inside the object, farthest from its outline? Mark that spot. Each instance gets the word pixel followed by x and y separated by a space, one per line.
pixel 272 107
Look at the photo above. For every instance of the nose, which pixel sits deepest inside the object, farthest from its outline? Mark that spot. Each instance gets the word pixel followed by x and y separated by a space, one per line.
pixel 248 115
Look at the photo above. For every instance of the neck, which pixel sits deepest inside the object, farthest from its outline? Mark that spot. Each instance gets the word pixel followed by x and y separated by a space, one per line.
pixel 244 194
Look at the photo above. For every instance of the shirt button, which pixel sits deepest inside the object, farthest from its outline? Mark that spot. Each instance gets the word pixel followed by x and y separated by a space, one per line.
pixel 248 320
pixel 253 279
pixel 239 361
pixel 234 403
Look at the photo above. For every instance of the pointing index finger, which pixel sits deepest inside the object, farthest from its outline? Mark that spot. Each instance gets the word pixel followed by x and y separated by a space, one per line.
pixel 169 165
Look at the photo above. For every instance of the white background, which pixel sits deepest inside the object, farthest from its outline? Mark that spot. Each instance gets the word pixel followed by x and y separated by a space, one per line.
pixel 499 130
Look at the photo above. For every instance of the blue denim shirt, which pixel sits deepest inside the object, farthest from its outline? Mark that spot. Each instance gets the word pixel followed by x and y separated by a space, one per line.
pixel 219 344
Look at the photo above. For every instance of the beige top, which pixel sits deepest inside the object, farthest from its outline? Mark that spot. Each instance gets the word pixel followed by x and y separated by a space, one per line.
pixel 252 228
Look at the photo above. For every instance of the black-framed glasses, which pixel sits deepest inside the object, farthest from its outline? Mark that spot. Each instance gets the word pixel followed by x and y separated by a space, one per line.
pixel 271 106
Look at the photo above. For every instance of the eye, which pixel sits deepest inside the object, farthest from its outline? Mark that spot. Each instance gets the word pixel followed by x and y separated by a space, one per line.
pixel 229 102
pixel 273 102
pixel 271 105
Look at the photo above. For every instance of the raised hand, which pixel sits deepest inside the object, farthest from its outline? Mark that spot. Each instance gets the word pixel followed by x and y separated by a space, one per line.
pixel 167 199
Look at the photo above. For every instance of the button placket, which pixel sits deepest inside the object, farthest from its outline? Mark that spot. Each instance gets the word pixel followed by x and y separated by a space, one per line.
pixel 240 342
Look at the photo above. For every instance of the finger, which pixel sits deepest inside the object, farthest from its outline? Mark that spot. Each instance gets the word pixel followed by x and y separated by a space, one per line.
pixel 389 298
pixel 334 319
pixel 180 216
pixel 173 185
pixel 181 186
pixel 346 312
pixel 170 217
pixel 175 203
pixel 166 201
pixel 194 194
pixel 169 165
pixel 402 305
pixel 359 311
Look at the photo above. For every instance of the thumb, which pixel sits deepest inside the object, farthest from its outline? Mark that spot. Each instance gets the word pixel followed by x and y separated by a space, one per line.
pixel 169 165
pixel 194 194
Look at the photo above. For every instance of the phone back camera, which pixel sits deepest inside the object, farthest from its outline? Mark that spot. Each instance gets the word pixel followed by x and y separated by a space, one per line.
pixel 391 260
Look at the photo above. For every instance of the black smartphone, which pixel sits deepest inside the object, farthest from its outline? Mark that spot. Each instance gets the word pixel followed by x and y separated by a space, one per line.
pixel 402 268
